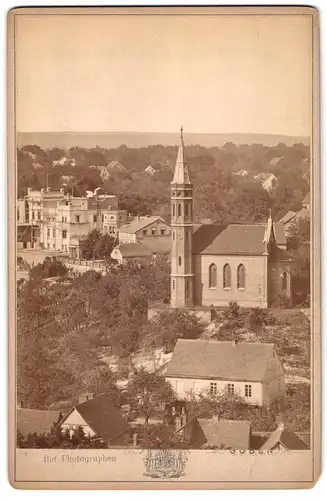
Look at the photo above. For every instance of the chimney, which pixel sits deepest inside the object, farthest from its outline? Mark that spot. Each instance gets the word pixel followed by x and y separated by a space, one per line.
pixel 86 396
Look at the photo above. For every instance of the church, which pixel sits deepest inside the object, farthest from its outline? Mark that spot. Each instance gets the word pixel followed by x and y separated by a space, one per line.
pixel 212 265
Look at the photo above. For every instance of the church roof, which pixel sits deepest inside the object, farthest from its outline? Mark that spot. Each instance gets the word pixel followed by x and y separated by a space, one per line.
pixel 181 175
pixel 235 239
pixel 220 360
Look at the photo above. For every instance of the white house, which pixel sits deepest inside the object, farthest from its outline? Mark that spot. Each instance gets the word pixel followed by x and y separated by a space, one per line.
pixel 252 371
pixel 98 417
pixel 144 229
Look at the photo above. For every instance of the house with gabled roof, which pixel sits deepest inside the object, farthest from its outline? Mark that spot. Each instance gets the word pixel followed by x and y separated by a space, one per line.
pixel 283 439
pixel 135 253
pixel 151 231
pixel 252 371
pixel 99 418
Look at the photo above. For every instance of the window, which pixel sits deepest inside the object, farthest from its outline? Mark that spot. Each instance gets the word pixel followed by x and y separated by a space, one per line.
pixel 94 218
pixel 173 235
pixel 212 276
pixel 64 234
pixel 186 210
pixel 179 209
pixel 179 261
pixel 230 389
pixel 248 390
pixel 153 231
pixel 77 218
pixel 102 217
pixel 144 232
pixel 162 231
pixel 227 276
pixel 284 281
pixel 53 233
pixel 33 216
pixel 213 388
pixel 241 276
pixel 187 289
pixel 173 284
pixel 173 209
pixel 48 233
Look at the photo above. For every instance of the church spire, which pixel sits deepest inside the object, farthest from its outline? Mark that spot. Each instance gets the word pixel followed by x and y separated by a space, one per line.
pixel 181 175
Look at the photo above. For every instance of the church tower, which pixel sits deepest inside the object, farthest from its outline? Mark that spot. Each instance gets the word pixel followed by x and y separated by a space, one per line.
pixel 181 283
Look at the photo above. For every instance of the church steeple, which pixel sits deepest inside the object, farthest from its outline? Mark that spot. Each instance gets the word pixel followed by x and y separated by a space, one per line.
pixel 181 175
pixel 181 232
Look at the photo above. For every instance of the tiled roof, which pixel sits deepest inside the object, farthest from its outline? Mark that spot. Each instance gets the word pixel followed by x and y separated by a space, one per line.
pixel 235 239
pixel 102 416
pixel 39 421
pixel 220 360
pixel 138 224
pixel 228 433
pixel 134 250
pixel 288 439
pixel 161 244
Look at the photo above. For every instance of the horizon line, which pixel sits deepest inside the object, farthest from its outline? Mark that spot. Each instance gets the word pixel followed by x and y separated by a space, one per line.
pixel 151 132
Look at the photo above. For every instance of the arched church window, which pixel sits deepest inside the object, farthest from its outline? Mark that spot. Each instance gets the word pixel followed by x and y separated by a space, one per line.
pixel 227 276
pixel 179 209
pixel 173 209
pixel 212 276
pixel 173 235
pixel 284 281
pixel 241 276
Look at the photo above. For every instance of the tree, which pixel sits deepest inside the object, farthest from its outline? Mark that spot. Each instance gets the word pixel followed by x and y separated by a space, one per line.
pixel 167 326
pixel 104 247
pixel 299 248
pixel 49 268
pixel 88 245
pixel 150 392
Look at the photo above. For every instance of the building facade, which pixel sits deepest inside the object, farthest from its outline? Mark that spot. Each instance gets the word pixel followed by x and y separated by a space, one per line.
pixel 212 264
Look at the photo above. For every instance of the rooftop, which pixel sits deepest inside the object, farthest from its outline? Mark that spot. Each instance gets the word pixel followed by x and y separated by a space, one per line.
pixel 207 359
pixel 233 434
pixel 134 250
pixel 138 224
pixel 102 416
pixel 286 438
pixel 39 421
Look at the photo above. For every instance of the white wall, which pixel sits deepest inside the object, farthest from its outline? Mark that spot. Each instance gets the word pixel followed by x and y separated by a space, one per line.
pixel 183 386
pixel 75 420
pixel 255 292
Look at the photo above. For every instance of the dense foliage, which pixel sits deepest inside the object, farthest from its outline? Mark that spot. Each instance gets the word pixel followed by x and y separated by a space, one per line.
pixel 221 192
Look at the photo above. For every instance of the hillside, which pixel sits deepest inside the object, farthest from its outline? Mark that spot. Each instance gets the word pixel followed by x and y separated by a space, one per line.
pixel 66 140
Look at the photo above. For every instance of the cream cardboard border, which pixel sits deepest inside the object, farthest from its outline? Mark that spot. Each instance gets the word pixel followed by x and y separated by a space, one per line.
pixel 28 468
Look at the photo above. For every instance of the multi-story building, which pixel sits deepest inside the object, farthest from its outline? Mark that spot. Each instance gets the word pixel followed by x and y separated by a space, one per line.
pixel 51 220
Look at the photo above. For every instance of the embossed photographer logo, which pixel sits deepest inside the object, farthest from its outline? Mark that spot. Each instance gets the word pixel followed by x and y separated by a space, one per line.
pixel 165 464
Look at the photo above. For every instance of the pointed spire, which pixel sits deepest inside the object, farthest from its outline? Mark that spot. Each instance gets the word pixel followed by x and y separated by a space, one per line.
pixel 181 175
pixel 269 230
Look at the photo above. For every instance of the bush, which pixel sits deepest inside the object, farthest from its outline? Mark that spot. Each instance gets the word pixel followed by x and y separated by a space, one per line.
pixel 258 318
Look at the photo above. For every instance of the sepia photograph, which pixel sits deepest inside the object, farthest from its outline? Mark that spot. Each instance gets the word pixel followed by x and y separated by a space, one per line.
pixel 164 236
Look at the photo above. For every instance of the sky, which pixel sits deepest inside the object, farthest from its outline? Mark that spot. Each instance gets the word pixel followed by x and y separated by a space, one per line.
pixel 213 74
